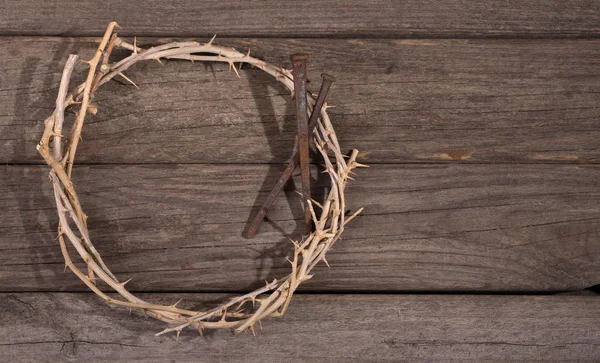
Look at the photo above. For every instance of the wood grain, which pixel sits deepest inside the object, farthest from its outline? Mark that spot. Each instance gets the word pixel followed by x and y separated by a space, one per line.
pixel 425 227
pixel 480 120
pixel 312 18
pixel 54 327
pixel 476 101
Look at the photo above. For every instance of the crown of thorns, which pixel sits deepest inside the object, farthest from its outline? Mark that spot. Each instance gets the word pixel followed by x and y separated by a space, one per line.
pixel 242 312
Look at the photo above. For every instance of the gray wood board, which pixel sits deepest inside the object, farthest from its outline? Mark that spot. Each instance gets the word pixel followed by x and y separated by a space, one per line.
pixel 53 327
pixel 379 18
pixel 477 101
pixel 425 227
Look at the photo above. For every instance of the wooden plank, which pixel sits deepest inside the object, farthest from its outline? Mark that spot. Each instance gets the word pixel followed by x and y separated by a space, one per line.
pixel 425 227
pixel 309 18
pixel 55 327
pixel 397 101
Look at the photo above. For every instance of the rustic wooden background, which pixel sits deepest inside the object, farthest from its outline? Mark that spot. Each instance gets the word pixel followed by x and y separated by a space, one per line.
pixel 479 239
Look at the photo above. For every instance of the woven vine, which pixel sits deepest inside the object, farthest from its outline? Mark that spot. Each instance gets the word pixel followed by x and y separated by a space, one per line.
pixel 240 313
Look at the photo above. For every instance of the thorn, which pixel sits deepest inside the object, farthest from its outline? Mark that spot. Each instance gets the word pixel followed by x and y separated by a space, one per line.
pixel 296 244
pixel 92 109
pixel 316 203
pixel 124 283
pixel 135 45
pixel 130 310
pixel 260 324
pixel 127 79
pixel 174 305
pixel 359 165
pixel 240 305
pixel 166 330
pixel 288 260
pixel 66 267
pixel 247 56
pixel 325 260
pixel 159 61
pixel 252 328
pixel 210 43
pixel 232 66
pixel 353 215
pixel 178 332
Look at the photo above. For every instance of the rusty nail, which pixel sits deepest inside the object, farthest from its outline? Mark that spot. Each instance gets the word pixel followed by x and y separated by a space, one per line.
pixel 327 80
pixel 299 68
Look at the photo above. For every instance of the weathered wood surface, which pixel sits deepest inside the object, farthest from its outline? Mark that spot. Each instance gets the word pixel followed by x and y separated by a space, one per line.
pixel 397 101
pixel 55 327
pixel 425 227
pixel 417 92
pixel 380 18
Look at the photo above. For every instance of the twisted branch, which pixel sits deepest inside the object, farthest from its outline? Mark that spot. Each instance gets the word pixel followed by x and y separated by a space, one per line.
pixel 240 313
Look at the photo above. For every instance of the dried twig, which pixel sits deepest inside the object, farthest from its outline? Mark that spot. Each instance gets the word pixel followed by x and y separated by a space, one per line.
pixel 240 313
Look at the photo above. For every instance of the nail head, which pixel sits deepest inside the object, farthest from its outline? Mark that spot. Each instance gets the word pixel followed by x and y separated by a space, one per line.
pixel 299 57
pixel 328 77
